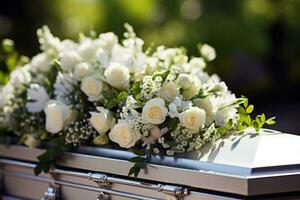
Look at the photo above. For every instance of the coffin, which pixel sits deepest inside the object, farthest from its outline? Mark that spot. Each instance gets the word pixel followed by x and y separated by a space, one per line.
pixel 264 166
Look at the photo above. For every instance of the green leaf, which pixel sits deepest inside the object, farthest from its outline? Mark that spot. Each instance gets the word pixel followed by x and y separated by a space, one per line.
pixel 139 152
pixel 271 121
pixel 250 109
pixel 136 159
pixel 263 117
pixel 122 96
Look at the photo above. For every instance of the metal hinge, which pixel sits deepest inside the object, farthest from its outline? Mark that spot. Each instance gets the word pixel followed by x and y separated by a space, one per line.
pixel 174 191
pixel 52 192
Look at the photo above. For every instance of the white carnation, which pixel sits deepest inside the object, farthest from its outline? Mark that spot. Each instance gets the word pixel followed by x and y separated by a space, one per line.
pixel 118 76
pixel 154 111
pixel 103 120
pixel 122 134
pixel 38 98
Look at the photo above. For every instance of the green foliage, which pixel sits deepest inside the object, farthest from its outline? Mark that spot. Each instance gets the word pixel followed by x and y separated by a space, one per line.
pixel 246 121
pixel 140 162
pixel 10 59
pixel 50 156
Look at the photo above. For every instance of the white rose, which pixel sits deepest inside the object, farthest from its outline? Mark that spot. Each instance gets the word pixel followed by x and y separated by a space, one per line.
pixel 208 52
pixel 92 87
pixel 193 118
pixel 82 70
pixel 108 40
pixel 41 63
pixel 57 115
pixel 154 111
pixel 193 90
pixel 122 134
pixel 169 91
pixel 222 116
pixel 196 65
pixel 185 81
pixel 69 59
pixel 87 50
pixel 102 121
pixel 118 76
pixel 208 106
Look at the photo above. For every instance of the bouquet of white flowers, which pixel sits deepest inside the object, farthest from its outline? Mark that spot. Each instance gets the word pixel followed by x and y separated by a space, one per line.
pixel 99 90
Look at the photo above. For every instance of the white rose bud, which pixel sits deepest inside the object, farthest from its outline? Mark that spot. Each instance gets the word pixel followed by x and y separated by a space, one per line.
pixel 193 118
pixel 102 121
pixel 154 111
pixel 41 63
pixel 193 90
pixel 169 91
pixel 185 81
pixel 30 141
pixel 69 59
pixel 208 106
pixel 82 70
pixel 92 87
pixel 108 40
pixel 124 135
pixel 57 115
pixel 118 76
pixel 101 140
pixel 208 52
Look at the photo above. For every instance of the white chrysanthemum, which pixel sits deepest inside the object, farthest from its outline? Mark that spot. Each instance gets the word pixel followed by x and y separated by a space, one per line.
pixel 41 63
pixel 208 52
pixel 38 97
pixel 68 60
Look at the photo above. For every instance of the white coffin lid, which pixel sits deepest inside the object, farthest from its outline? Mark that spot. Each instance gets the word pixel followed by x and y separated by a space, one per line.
pixel 269 149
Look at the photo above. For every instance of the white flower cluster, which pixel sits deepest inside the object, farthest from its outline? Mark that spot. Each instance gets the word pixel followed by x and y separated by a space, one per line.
pixel 99 88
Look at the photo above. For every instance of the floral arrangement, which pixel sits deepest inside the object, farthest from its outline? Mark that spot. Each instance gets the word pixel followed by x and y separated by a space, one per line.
pixel 98 91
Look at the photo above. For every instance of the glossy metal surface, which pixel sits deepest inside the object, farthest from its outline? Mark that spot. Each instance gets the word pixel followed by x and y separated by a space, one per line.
pixel 243 165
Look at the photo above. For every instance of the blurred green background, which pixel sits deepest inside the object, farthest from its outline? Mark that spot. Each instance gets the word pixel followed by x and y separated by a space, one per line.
pixel 257 41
